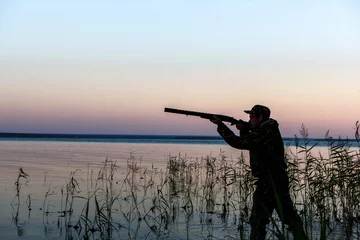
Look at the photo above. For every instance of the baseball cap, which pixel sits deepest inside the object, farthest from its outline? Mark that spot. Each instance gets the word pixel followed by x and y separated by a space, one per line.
pixel 259 110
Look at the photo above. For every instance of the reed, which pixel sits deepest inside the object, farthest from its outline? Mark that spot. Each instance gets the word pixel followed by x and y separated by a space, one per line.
pixel 22 179
pixel 22 176
pixel 145 202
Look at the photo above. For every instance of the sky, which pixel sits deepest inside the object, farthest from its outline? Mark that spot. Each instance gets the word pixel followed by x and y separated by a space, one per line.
pixel 111 67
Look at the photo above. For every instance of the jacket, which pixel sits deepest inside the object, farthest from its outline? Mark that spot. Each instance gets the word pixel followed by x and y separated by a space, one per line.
pixel 265 146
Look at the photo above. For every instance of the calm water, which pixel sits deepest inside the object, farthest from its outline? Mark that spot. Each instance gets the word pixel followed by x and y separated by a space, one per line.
pixel 49 161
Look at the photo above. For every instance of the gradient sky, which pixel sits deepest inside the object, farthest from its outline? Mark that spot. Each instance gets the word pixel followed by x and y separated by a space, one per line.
pixel 112 66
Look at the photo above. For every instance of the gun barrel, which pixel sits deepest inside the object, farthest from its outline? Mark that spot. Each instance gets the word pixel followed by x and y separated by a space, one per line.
pixel 202 115
pixel 185 112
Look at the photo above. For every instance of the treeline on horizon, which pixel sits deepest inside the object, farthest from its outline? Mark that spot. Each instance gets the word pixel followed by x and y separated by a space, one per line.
pixel 164 137
pixel 128 136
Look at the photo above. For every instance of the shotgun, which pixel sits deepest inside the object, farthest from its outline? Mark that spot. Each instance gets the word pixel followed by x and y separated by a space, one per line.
pixel 223 118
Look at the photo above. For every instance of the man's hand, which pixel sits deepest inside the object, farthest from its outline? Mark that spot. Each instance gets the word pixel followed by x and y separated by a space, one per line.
pixel 215 120
pixel 242 125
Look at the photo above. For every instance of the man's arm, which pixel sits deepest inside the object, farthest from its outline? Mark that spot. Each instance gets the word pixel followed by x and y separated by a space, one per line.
pixel 247 140
pixel 240 142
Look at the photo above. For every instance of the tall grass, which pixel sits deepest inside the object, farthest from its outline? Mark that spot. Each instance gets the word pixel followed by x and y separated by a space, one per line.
pixel 145 202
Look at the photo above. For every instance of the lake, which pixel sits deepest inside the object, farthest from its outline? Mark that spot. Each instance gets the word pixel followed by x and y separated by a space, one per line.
pixel 39 211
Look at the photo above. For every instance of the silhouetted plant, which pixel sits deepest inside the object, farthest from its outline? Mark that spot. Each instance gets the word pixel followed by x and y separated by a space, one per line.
pixel 325 189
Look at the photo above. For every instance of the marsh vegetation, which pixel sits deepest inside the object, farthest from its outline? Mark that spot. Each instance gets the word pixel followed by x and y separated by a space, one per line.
pixel 210 194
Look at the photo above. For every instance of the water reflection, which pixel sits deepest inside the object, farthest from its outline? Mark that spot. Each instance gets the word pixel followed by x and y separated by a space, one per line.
pixel 180 198
pixel 15 219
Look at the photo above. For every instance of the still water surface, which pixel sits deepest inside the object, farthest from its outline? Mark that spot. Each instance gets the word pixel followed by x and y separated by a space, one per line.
pixel 49 164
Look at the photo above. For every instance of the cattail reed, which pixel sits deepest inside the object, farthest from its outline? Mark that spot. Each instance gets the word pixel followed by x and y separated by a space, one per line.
pixel 139 201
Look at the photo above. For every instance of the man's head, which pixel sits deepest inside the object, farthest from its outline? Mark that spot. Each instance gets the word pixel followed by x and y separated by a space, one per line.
pixel 258 115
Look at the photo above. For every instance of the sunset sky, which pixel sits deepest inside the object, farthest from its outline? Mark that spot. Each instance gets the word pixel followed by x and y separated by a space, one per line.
pixel 112 66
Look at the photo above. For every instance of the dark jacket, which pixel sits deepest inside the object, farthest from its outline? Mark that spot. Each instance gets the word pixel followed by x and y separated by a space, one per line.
pixel 266 148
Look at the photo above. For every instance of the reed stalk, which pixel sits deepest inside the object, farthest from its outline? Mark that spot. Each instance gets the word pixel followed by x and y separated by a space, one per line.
pixel 143 202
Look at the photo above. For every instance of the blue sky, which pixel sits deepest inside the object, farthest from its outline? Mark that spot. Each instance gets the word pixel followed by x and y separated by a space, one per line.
pixel 149 28
pixel 104 67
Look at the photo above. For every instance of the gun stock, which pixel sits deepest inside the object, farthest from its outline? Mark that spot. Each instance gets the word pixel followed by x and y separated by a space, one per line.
pixel 223 118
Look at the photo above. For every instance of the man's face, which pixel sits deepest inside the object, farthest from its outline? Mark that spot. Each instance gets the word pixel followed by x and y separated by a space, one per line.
pixel 254 121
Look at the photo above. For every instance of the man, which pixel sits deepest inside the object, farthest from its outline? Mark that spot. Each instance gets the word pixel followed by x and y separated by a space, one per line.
pixel 261 136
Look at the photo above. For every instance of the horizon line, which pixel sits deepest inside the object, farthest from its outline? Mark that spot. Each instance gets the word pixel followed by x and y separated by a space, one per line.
pixel 114 135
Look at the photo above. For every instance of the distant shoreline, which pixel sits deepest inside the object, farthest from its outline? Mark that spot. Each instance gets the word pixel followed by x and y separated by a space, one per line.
pixel 115 136
pixel 10 135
